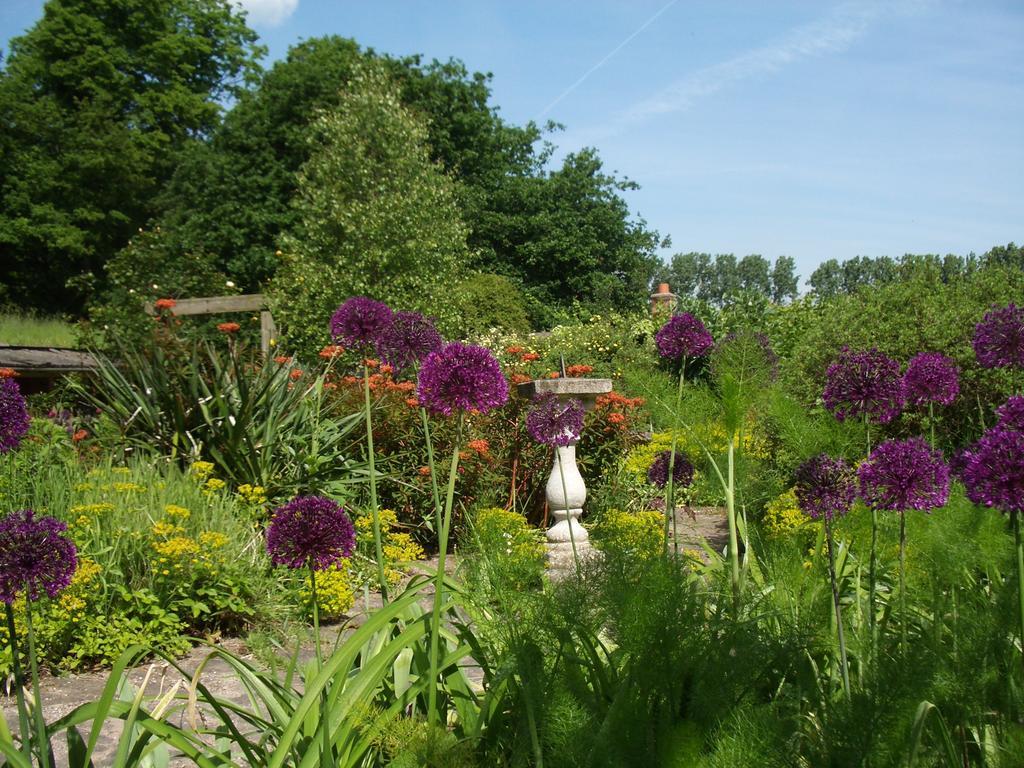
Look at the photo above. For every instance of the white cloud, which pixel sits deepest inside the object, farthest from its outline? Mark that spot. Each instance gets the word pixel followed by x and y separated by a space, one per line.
pixel 268 13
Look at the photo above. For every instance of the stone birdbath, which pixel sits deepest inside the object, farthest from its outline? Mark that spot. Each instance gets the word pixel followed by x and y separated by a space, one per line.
pixel 566 504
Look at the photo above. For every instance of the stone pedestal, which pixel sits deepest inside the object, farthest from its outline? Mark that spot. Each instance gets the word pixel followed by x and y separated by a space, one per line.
pixel 565 500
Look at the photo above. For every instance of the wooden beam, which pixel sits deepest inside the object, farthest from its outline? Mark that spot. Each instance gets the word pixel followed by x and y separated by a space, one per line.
pixel 211 305
pixel 42 361
pixel 268 332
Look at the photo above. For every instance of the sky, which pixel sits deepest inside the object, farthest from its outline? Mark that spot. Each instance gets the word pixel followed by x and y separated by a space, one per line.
pixel 816 130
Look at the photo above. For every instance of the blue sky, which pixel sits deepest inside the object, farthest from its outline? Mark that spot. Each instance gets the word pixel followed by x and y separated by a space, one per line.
pixel 814 129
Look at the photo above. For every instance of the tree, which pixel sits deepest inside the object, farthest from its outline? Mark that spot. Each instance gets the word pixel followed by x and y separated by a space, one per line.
pixel 726 280
pixel 827 280
pixel 376 216
pixel 689 274
pixel 97 103
pixel 753 274
pixel 784 280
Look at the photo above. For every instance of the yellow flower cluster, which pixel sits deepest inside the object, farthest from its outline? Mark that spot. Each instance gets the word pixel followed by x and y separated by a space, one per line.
pixel 213 485
pixel 335 592
pixel 256 495
pixel 120 487
pixel 640 536
pixel 164 530
pixel 782 516
pixel 398 547
pixel 201 470
pixel 175 512
pixel 689 442
pixel 506 533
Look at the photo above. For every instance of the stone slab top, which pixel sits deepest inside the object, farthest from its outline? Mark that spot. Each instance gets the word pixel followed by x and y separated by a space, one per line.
pixel 567 387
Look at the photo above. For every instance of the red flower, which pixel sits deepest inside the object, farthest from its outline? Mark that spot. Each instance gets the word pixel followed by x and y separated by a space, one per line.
pixel 7 373
pixel 165 304
pixel 412 402
pixel 554 375
pixel 79 436
pixel 616 418
pixel 481 446
pixel 331 350
pixel 579 370
pixel 229 328
pixel 282 359
pixel 295 375
pixel 513 350
pixel 371 363
pixel 520 378
pixel 529 357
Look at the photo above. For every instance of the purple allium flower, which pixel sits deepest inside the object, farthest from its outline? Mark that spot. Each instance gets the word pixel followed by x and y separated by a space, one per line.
pixel 682 470
pixel 859 383
pixel 310 530
pixel 931 378
pixel 1011 414
pixel 461 377
pixel 13 415
pixel 554 421
pixel 904 474
pixel 34 556
pixel 360 321
pixel 994 474
pixel 999 338
pixel 407 340
pixel 825 487
pixel 683 336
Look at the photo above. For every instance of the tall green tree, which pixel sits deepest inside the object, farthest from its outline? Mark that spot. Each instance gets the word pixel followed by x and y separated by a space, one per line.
pixel 97 103
pixel 784 280
pixel 754 275
pixel 376 216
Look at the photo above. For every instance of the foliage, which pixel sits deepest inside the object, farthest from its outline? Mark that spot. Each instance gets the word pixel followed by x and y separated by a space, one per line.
pixel 783 516
pixel 720 279
pixel 509 552
pixel 31 330
pixel 486 301
pixel 376 217
pixel 99 100
pixel 633 536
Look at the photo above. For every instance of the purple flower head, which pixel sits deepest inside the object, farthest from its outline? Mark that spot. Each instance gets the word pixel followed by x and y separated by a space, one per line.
pixel 864 383
pixel 904 474
pixel 682 470
pixel 310 531
pixel 994 474
pixel 825 487
pixel 461 377
pixel 34 556
pixel 1011 414
pixel 554 421
pixel 13 415
pixel 931 378
pixel 360 321
pixel 999 338
pixel 683 336
pixel 407 340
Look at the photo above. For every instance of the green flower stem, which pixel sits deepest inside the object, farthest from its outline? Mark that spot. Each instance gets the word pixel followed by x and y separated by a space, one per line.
pixel 565 500
pixel 433 715
pixel 430 464
pixel 19 682
pixel 374 511
pixel 730 508
pixel 843 663
pixel 872 565
pixel 41 745
pixel 670 491
pixel 931 421
pixel 1015 518
pixel 903 596
pixel 325 754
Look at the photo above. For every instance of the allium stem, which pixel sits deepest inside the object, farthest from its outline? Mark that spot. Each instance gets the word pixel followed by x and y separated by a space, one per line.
pixel 734 547
pixel 872 575
pixel 374 511
pixel 41 743
pixel 568 518
pixel 430 465
pixel 670 489
pixel 19 681
pixel 1015 518
pixel 903 568
pixel 843 663
pixel 931 421
pixel 442 551
pixel 324 721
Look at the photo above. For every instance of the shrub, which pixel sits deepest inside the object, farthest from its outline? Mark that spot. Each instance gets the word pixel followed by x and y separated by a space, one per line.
pixel 486 301
pixel 510 552
pixel 636 536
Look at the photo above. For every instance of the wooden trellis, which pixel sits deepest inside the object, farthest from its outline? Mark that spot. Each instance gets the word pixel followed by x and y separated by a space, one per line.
pixel 215 305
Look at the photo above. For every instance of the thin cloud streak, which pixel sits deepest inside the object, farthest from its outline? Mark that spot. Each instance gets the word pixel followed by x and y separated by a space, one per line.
pixel 603 61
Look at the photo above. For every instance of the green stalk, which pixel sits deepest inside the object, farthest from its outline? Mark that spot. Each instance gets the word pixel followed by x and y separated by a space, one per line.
pixel 670 494
pixel 568 519
pixel 730 507
pixel 430 465
pixel 19 682
pixel 325 755
pixel 931 421
pixel 872 573
pixel 903 596
pixel 40 721
pixel 1015 517
pixel 374 511
pixel 843 663
pixel 442 552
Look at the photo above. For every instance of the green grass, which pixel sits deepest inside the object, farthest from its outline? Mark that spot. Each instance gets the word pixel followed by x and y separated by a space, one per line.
pixel 34 331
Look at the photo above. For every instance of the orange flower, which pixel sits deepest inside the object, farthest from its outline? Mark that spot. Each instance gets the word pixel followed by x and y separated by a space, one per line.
pixel 554 375
pixel 424 471
pixel 412 402
pixel 330 385
pixel 616 418
pixel 282 359
pixel 79 435
pixel 579 370
pixel 387 368
pixel 520 378
pixel 529 357
pixel 371 363
pixel 349 379
pixel 165 304
pixel 229 327
pixel 7 373
pixel 513 350
pixel 481 446
pixel 331 350
pixel 295 375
